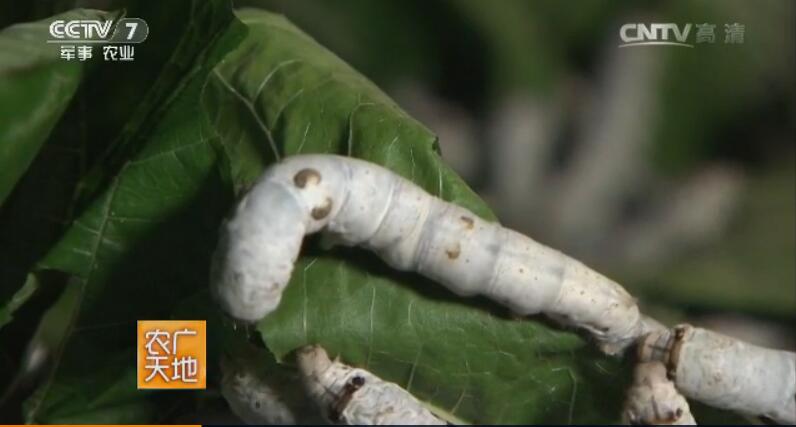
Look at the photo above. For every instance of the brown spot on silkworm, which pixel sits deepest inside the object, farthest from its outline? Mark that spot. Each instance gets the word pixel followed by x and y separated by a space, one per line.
pixel 358 381
pixel 454 252
pixel 468 222
pixel 320 212
pixel 350 387
pixel 306 176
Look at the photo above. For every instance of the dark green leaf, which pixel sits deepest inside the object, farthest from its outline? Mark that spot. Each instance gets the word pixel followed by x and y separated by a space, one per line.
pixel 36 86
pixel 19 298
pixel 141 245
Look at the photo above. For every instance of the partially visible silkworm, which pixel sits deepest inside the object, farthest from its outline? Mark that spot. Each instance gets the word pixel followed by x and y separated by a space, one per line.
pixel 725 372
pixel 367 205
pixel 355 396
pixel 653 399
pixel 250 398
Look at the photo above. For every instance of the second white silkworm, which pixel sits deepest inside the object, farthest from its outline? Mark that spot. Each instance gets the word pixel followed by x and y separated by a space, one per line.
pixel 250 398
pixel 727 373
pixel 653 399
pixel 367 205
pixel 355 396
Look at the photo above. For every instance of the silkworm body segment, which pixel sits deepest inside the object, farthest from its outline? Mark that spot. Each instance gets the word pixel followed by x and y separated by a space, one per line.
pixel 364 204
pixel 357 397
pixel 727 373
pixel 250 398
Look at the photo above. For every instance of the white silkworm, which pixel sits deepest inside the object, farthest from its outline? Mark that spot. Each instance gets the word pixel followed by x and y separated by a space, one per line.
pixel 355 396
pixel 364 204
pixel 360 203
pixel 250 398
pixel 727 373
pixel 653 399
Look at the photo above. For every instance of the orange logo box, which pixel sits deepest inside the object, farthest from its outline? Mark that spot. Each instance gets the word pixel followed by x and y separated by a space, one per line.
pixel 172 354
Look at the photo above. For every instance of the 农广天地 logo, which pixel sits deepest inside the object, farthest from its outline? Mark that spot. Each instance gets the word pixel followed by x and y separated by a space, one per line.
pixel 172 354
